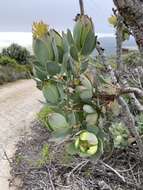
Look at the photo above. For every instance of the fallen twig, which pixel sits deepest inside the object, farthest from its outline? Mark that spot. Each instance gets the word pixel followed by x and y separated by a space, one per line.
pixel 80 165
pixel 115 171
pixel 51 182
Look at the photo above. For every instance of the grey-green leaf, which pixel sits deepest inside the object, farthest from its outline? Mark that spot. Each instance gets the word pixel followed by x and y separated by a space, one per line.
pixel 69 37
pixel 85 82
pixel 86 94
pixel 53 68
pixel 51 94
pixel 40 73
pixel 89 44
pixel 74 53
pixel 57 121
pixel 77 34
pixel 40 51
pixel 91 119
pixel 88 109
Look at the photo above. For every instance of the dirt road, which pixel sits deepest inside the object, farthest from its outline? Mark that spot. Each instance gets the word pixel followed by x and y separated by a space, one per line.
pixel 18 107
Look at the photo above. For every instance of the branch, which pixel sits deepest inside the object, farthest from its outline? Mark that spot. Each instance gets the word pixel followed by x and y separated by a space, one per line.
pixel 81 7
pixel 137 91
pixel 119 36
pixel 136 102
pixel 104 62
pixel 131 124
pixel 132 92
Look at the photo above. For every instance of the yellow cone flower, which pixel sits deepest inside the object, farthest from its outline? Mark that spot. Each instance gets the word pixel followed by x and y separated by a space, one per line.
pixel 39 29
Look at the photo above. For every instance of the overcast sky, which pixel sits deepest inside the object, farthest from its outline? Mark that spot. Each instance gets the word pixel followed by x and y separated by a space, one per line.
pixel 18 15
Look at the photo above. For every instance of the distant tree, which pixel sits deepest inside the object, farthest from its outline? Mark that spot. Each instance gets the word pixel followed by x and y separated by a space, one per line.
pixel 17 52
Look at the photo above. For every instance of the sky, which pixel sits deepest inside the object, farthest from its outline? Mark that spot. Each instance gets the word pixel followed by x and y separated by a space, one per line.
pixel 18 15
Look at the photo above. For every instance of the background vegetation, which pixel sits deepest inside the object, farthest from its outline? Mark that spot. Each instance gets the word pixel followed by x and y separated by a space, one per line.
pixel 15 63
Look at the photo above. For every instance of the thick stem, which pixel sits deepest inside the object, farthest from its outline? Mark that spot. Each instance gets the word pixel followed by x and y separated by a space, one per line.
pixel 119 42
pixel 119 33
pixel 104 62
pixel 81 7
pixel 131 124
pixel 132 91
pixel 127 89
pixel 132 12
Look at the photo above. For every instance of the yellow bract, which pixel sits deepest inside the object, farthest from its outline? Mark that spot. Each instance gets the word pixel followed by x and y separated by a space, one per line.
pixel 113 20
pixel 39 29
pixel 87 143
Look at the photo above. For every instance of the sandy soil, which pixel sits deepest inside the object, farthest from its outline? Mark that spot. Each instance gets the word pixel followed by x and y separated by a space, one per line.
pixel 18 107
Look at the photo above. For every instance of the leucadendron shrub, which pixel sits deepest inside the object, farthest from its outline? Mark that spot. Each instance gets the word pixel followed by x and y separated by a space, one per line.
pixel 77 96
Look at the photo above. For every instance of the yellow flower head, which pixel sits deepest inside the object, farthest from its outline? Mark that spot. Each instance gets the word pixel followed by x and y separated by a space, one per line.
pixel 39 29
pixel 113 20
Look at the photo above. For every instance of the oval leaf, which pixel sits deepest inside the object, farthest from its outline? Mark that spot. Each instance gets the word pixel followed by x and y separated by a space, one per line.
pixel 53 68
pixel 51 93
pixel 74 53
pixel 92 119
pixel 57 121
pixel 88 109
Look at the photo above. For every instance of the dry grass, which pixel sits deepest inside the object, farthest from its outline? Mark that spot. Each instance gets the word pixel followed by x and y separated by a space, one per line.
pixel 122 171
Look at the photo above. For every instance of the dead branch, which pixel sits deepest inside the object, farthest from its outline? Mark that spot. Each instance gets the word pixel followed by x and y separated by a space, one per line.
pixel 131 124
pixel 137 91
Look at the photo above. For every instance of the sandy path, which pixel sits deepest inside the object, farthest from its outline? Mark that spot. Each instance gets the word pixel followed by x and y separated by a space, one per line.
pixel 18 106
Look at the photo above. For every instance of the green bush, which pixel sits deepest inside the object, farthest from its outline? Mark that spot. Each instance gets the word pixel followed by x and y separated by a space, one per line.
pixel 132 59
pixel 5 60
pixel 17 52
pixel 43 116
pixel 76 105
pixel 10 70
pixel 120 135
pixel 79 93
pixel 45 156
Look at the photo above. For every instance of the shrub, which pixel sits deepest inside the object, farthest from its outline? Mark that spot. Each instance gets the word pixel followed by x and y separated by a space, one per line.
pixel 10 70
pixel 43 116
pixel 80 94
pixel 45 157
pixel 5 60
pixel 132 59
pixel 120 135
pixel 17 52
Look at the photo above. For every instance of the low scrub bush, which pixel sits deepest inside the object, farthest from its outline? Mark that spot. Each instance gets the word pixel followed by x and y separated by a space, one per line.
pixel 17 52
pixel 132 59
pixel 4 60
pixel 10 70
pixel 42 116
